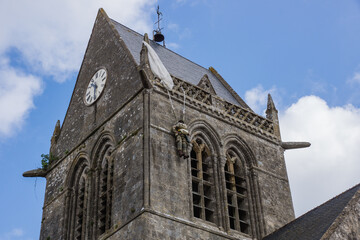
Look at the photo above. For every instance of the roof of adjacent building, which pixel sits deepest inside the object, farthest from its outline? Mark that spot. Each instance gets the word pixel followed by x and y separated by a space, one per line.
pixel 177 65
pixel 315 223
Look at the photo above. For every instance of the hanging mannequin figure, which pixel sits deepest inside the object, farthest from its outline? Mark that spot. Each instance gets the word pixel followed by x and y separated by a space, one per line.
pixel 182 138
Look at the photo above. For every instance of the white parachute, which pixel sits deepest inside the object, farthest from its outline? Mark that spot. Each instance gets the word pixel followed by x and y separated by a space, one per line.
pixel 158 68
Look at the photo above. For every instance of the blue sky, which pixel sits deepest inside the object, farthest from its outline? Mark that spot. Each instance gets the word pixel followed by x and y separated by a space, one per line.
pixel 305 53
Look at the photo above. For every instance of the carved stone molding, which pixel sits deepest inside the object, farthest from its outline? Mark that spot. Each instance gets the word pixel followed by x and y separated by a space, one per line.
pixel 239 116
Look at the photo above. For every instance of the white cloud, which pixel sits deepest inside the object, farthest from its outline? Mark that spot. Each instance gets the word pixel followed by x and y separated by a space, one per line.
pixel 172 45
pixel 185 34
pixel 173 27
pixel 50 38
pixel 180 32
pixel 355 78
pixel 14 233
pixel 316 83
pixel 191 3
pixel 17 91
pixel 257 97
pixel 17 232
pixel 52 35
pixel 331 165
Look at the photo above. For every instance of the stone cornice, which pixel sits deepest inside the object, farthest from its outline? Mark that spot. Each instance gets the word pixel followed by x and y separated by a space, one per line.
pixel 218 107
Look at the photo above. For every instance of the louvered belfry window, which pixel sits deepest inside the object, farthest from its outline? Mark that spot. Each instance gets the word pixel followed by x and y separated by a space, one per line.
pixel 236 192
pixel 81 210
pixel 105 194
pixel 202 182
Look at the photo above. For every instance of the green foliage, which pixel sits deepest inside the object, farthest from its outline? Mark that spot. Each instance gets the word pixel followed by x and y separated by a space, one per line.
pixel 46 160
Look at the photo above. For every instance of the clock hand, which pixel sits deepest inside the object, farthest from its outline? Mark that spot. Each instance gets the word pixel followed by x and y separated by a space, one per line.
pixel 95 87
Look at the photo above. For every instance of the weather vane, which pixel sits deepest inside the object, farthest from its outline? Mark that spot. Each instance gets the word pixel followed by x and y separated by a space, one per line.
pixel 158 36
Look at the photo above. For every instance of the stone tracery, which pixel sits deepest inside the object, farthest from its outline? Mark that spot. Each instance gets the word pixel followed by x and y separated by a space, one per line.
pixel 236 193
pixel 78 200
pixel 202 181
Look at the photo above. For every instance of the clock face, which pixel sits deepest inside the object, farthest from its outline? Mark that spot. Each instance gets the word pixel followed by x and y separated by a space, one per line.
pixel 95 87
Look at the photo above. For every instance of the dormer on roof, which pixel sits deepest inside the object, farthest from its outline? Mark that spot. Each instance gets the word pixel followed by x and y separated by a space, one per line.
pixel 177 65
pixel 206 84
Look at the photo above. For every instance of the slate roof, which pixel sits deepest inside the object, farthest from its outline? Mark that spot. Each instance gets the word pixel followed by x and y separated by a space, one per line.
pixel 314 224
pixel 177 65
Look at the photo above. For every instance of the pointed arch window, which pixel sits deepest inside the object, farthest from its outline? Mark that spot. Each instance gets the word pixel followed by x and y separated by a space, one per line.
pixel 81 209
pixel 105 195
pixel 105 178
pixel 203 193
pixel 236 193
pixel 78 200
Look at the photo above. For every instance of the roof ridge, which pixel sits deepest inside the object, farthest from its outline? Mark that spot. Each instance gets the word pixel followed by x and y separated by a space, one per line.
pixel 160 45
pixel 348 190
pixel 339 219
pixel 311 210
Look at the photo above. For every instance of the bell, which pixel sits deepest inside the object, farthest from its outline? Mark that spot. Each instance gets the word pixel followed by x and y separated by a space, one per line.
pixel 158 37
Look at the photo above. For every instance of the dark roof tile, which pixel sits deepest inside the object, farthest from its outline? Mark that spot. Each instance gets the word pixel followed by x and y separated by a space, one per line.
pixel 313 224
pixel 177 65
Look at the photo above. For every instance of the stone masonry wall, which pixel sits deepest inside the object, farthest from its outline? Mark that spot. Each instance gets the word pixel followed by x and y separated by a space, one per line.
pixel 105 50
pixel 174 197
pixel 126 128
pixel 276 198
pixel 152 226
pixel 152 185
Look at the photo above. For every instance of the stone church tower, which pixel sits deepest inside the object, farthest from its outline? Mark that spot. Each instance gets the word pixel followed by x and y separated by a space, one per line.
pixel 115 172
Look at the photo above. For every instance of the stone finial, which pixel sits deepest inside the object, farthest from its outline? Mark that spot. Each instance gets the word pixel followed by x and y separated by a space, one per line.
pixel 146 38
pixel 144 68
pixel 56 133
pixel 271 109
pixel 272 114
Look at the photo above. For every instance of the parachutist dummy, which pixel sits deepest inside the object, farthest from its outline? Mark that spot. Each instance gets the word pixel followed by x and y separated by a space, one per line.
pixel 182 138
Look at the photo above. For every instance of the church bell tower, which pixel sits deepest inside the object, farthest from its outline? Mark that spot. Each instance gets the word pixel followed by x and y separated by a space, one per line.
pixel 135 159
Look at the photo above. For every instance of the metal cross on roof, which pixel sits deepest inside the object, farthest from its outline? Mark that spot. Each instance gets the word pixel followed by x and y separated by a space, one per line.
pixel 158 36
